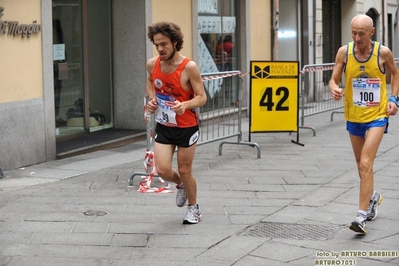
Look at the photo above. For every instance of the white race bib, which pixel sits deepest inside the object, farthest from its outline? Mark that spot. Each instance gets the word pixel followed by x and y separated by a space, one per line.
pixel 164 114
pixel 366 92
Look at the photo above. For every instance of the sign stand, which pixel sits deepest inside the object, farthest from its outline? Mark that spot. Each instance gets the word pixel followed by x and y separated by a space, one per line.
pixel 274 97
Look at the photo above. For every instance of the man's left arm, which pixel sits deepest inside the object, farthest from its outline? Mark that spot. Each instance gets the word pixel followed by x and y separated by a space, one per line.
pixel 391 67
pixel 197 86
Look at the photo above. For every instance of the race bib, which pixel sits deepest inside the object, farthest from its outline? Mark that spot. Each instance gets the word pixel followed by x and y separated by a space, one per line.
pixel 164 114
pixel 366 92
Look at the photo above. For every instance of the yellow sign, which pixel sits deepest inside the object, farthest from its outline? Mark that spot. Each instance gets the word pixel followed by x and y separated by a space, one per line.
pixel 274 96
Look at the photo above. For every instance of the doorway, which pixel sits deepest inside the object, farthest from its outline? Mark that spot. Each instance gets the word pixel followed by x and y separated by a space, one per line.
pixel 82 62
pixel 288 39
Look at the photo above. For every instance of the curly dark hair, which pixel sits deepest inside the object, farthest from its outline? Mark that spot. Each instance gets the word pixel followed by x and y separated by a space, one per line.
pixel 168 29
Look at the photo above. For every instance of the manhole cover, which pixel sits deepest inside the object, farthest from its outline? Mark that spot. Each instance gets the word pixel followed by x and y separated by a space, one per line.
pixel 94 213
pixel 290 231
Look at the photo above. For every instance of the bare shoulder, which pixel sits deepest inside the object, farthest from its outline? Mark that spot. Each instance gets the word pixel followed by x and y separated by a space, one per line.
pixel 341 54
pixel 192 67
pixel 385 52
pixel 386 59
pixel 343 49
pixel 150 63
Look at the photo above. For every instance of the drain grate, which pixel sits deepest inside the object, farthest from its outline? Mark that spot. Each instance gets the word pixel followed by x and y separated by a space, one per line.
pixel 94 213
pixel 290 231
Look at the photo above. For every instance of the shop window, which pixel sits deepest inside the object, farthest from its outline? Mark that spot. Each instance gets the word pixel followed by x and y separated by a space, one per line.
pixel 217 40
pixel 217 49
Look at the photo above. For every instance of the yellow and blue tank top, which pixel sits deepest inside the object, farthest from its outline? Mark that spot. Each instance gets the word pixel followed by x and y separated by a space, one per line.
pixel 365 97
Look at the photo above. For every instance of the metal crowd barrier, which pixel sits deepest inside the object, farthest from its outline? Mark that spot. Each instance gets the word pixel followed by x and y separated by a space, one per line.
pixel 219 118
pixel 315 93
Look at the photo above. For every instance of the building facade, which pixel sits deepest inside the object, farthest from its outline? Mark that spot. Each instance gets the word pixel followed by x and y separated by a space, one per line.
pixel 70 68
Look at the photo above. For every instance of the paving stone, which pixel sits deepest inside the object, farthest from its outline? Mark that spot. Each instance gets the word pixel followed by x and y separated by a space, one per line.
pixel 42 220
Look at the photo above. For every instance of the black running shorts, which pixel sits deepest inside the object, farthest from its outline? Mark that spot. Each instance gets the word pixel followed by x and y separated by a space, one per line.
pixel 181 137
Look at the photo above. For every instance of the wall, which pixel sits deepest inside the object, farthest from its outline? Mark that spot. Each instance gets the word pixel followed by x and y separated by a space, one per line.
pixel 132 49
pixel 318 32
pixel 260 30
pixel 130 55
pixel 179 12
pixel 348 11
pixel 21 56
pixel 392 8
pixel 22 94
pixel 244 8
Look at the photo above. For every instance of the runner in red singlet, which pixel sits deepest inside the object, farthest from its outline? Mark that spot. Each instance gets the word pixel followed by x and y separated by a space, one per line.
pixel 175 89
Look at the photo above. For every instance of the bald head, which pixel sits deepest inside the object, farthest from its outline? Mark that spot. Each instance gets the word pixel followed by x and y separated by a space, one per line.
pixel 362 31
pixel 362 20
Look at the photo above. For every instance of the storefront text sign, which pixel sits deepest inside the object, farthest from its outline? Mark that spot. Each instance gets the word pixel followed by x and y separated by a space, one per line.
pixel 8 27
pixel 213 24
pixel 208 6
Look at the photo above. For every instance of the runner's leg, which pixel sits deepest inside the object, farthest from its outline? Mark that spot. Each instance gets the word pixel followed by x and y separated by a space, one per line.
pixel 163 154
pixel 185 157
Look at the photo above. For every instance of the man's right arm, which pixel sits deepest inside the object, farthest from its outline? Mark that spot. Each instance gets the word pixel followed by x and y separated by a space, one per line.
pixel 152 103
pixel 336 91
pixel 150 87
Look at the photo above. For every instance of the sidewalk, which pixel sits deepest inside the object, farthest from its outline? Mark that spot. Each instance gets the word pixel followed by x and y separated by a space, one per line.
pixel 292 206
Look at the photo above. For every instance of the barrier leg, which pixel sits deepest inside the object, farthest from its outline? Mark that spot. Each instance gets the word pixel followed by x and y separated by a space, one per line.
pixel 311 128
pixel 297 140
pixel 130 184
pixel 252 144
pixel 337 112
pixel 131 178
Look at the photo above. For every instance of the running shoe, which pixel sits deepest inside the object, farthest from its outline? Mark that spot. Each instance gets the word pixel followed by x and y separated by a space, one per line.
pixel 181 196
pixel 359 224
pixel 193 215
pixel 372 209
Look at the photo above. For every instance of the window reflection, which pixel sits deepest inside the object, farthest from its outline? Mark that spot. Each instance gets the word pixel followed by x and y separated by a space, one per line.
pixel 218 50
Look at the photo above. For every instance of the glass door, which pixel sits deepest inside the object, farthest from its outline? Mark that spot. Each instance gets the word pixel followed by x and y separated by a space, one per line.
pixel 99 64
pixel 68 66
pixel 288 39
pixel 82 66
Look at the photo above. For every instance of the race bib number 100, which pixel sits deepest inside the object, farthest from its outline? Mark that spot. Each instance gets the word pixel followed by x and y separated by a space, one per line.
pixel 366 92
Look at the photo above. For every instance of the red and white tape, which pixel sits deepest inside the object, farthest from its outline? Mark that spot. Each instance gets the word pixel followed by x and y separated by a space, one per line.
pixel 211 77
pixel 329 67
pixel 316 69
pixel 149 162
pixel 146 185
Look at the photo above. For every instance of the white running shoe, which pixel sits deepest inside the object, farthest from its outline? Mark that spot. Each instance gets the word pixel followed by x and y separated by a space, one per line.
pixel 193 215
pixel 372 209
pixel 359 224
pixel 181 196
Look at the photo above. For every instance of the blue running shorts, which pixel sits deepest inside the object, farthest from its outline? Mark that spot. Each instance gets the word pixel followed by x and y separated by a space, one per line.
pixel 360 129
